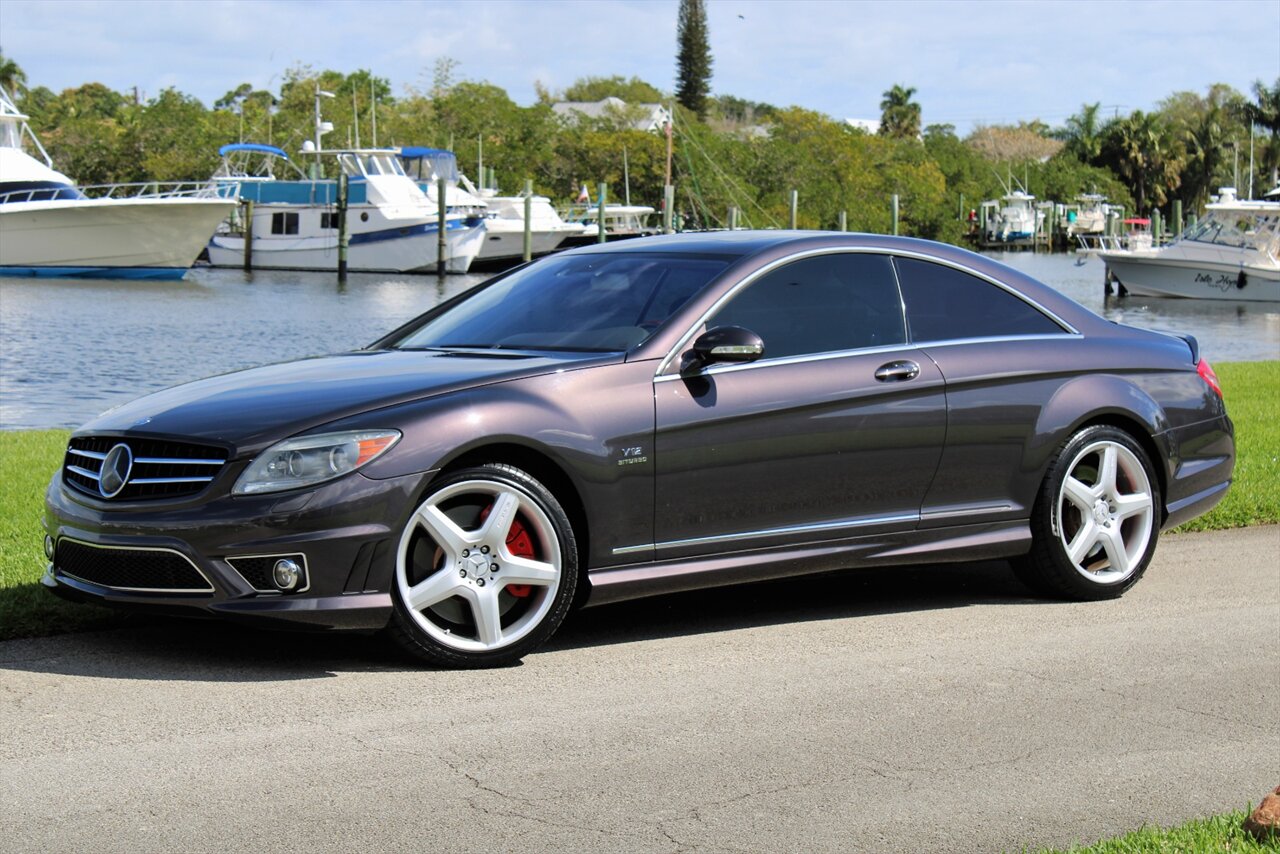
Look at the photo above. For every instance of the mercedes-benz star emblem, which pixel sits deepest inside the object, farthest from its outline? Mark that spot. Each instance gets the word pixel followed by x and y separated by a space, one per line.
pixel 115 471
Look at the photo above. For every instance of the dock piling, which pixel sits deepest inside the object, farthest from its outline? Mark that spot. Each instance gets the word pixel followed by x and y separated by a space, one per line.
pixel 248 235
pixel 344 238
pixel 1177 217
pixel 1157 230
pixel 601 235
pixel 795 206
pixel 895 214
pixel 844 221
pixel 442 222
pixel 528 219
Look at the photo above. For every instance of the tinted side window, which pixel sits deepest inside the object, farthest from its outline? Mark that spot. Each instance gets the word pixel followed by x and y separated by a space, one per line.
pixel 944 303
pixel 820 304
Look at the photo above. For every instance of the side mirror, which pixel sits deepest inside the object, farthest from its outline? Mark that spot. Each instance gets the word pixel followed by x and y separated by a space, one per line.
pixel 727 344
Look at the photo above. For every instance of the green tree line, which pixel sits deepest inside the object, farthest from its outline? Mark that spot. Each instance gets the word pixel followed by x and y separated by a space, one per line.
pixel 739 153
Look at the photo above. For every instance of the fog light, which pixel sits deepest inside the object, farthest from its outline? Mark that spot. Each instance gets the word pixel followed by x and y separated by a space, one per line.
pixel 286 574
pixel 48 546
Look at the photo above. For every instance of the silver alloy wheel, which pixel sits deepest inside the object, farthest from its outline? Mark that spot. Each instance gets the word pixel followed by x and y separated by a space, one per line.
pixel 1105 512
pixel 464 570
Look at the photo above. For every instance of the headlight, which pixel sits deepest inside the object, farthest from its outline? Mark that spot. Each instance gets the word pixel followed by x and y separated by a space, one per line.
pixel 308 460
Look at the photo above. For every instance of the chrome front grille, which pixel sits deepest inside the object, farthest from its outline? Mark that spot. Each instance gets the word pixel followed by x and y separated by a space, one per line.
pixel 154 468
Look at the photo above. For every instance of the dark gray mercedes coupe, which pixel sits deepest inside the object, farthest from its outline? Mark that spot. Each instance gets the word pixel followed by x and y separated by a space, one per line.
pixel 645 417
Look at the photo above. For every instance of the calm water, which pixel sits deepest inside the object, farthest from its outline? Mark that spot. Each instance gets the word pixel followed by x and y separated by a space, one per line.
pixel 71 349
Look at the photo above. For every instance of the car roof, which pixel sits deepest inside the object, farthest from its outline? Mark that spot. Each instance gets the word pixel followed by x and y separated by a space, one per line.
pixel 746 243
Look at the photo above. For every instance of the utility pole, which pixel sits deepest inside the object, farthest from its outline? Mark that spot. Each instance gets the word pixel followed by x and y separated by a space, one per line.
pixel 670 119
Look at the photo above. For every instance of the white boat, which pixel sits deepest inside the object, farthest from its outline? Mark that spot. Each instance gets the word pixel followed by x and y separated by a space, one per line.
pixel 49 227
pixel 1233 252
pixel 1016 219
pixel 620 222
pixel 1088 216
pixel 393 226
pixel 505 241
pixel 504 238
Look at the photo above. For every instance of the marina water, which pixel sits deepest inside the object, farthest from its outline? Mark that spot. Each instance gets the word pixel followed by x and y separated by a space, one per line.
pixel 71 349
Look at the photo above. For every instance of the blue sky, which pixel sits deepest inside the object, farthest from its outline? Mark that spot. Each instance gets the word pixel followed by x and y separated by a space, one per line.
pixel 971 62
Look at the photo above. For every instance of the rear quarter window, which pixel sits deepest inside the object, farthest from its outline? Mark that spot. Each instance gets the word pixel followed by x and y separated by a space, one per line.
pixel 944 303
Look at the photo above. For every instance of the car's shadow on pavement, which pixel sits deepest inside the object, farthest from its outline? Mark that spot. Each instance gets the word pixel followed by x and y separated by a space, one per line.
pixel 155 648
pixel 829 596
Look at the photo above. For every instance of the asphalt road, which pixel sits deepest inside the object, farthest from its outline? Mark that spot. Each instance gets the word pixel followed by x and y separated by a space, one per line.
pixel 908 710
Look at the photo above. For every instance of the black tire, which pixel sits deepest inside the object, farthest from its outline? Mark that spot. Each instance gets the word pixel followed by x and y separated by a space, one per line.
pixel 486 616
pixel 1111 549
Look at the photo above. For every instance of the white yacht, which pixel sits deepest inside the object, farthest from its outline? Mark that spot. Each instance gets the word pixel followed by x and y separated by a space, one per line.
pixel 1088 215
pixel 49 227
pixel 504 237
pixel 1233 252
pixel 621 221
pixel 393 226
pixel 1016 219
pixel 547 231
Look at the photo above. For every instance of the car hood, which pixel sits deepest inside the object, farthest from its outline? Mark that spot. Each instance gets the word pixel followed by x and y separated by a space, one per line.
pixel 251 408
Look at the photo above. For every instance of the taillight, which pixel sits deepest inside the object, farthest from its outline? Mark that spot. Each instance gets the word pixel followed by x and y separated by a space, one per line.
pixel 1205 370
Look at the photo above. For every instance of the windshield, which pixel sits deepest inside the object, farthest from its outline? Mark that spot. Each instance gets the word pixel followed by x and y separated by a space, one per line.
pixel 1234 228
pixel 589 303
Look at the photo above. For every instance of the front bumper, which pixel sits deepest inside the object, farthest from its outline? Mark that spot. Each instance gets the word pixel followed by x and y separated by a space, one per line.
pixel 346 530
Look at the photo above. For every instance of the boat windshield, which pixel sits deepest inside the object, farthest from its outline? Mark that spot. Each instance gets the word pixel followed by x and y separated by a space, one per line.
pixel 1241 229
pixel 587 303
pixel 10 135
pixel 357 165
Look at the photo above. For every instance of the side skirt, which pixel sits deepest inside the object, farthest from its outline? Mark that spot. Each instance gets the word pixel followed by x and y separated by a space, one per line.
pixel 958 544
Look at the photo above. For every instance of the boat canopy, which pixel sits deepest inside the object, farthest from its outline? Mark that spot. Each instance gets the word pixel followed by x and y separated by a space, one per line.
pixel 256 147
pixel 430 163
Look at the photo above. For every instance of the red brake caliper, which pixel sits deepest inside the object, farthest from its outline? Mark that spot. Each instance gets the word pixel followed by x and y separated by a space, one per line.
pixel 520 544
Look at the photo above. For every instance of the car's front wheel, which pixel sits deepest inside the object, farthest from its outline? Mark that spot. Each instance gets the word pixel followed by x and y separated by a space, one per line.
pixel 485 570
pixel 1096 520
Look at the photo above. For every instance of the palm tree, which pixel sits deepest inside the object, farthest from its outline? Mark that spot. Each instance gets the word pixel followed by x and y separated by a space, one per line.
pixel 11 75
pixel 1142 150
pixel 1084 134
pixel 900 116
pixel 1206 143
pixel 1266 114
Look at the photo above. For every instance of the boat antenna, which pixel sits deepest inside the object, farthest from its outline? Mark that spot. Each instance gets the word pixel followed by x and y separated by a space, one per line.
pixel 1007 188
pixel 1252 127
pixel 355 115
pixel 626 178
pixel 373 109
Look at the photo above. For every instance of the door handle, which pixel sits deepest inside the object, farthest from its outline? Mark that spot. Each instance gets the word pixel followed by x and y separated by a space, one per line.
pixel 897 371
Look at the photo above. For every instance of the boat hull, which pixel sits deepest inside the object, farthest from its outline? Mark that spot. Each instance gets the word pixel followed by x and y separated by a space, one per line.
pixel 411 248
pixel 502 242
pixel 1193 279
pixel 107 238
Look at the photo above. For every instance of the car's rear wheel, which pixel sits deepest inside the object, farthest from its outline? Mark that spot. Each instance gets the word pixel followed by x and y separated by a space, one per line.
pixel 485 570
pixel 1096 520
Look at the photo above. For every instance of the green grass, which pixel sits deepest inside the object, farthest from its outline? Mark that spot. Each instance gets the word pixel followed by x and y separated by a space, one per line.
pixel 1221 834
pixel 1252 392
pixel 28 460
